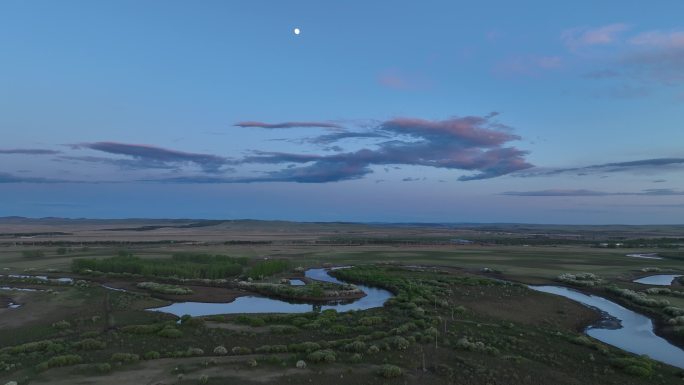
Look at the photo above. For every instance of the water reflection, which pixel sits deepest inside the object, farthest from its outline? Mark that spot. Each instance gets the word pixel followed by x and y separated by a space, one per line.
pixel 635 334
pixel 660 279
pixel 252 304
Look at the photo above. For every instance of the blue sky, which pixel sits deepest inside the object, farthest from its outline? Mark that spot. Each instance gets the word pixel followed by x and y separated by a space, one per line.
pixel 433 111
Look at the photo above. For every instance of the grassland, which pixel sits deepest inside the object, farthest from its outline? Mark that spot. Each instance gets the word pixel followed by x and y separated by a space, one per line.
pixel 451 321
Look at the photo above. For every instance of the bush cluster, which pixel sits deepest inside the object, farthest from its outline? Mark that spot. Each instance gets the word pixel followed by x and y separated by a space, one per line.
pixel 220 350
pixel 390 371
pixel 640 367
pixel 478 346
pixel 268 267
pixel 125 357
pixel 58 361
pixel 638 297
pixel 324 356
pixel 163 288
pixel 580 279
pixel 266 349
pixel 214 267
pixel 90 344
pixel 241 350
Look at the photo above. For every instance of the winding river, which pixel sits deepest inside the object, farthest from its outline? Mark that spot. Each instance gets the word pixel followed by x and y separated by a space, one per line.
pixel 635 333
pixel 252 304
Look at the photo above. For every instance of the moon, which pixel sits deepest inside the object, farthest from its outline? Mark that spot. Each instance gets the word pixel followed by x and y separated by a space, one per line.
pixel 297 31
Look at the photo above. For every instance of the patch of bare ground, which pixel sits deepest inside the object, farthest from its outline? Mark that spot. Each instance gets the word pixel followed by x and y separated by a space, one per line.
pixel 36 307
pixel 527 307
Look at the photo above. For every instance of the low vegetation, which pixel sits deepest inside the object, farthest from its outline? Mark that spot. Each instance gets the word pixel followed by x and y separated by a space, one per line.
pixel 163 288
pixel 443 326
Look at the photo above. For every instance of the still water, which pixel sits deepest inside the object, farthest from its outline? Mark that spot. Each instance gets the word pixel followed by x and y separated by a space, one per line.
pixel 635 334
pixel 251 304
pixel 660 279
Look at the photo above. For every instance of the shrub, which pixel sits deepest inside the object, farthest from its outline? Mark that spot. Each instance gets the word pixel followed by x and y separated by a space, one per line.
pixel 214 267
pixel 252 363
pixel 195 352
pixel 265 349
pixel 163 288
pixel 325 355
pixel 241 350
pixel 283 329
pixel 355 347
pixel 103 367
pixel 581 279
pixel 142 329
pixel 658 290
pixel 390 371
pixel 583 340
pixel 268 268
pixel 673 311
pixel 220 350
pixel 61 325
pixel 300 364
pixel 304 347
pixel 638 298
pixel 124 357
pixel 355 358
pixel 170 332
pixel 90 344
pixel 204 379
pixel 638 371
pixel 65 360
pixel 464 343
pixel 370 321
pixel 51 346
pixel 399 343
pixel 152 355
pixel 641 367
pixel 373 349
pixel 404 328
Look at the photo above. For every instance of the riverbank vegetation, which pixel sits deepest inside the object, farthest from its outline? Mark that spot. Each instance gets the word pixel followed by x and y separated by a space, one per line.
pixel 452 320
pixel 438 328
pixel 180 266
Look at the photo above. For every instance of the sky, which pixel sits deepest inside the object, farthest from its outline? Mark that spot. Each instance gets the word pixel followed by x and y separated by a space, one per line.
pixel 382 111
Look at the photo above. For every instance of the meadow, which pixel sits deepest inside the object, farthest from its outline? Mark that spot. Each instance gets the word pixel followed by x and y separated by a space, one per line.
pixel 460 314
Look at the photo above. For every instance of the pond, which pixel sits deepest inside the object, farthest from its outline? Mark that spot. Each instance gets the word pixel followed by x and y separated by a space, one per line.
pixel 45 278
pixel 18 288
pixel 634 333
pixel 660 279
pixel 252 304
pixel 645 255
